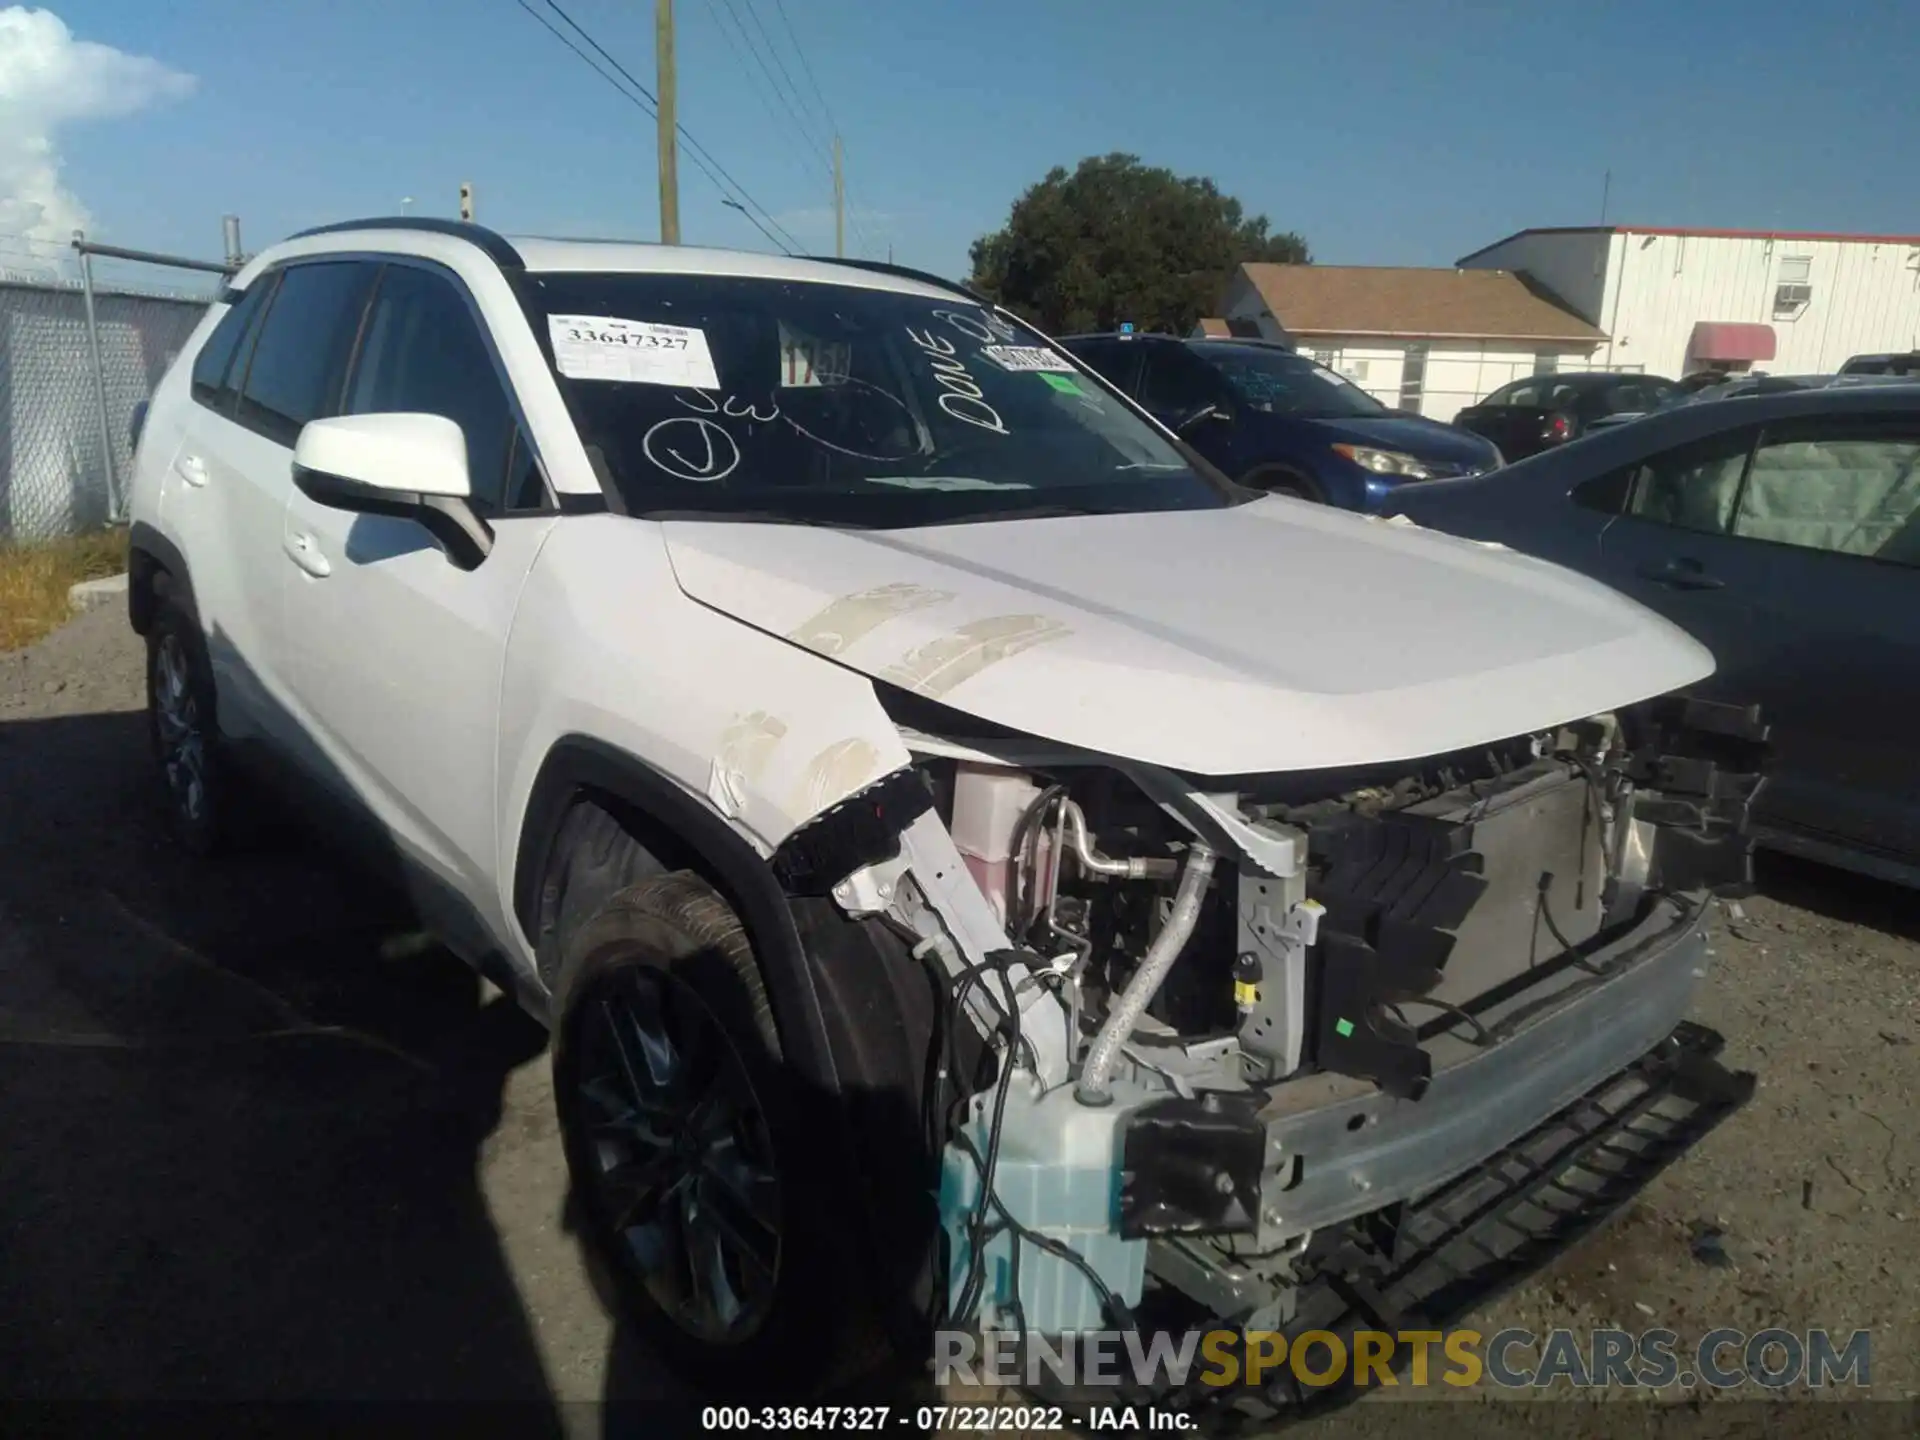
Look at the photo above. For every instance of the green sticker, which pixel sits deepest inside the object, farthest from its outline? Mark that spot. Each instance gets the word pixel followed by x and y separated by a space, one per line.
pixel 1343 1028
pixel 1065 384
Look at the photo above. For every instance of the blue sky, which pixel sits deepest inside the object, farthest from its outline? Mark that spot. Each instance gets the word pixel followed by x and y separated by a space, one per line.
pixel 1385 133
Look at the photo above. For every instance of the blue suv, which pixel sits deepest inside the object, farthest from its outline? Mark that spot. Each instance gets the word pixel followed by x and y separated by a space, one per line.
pixel 1271 418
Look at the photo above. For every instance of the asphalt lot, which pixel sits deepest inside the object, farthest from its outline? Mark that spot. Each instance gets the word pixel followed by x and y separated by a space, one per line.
pixel 256 1146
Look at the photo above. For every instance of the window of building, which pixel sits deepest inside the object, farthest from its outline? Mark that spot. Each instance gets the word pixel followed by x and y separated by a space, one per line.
pixel 1413 378
pixel 1546 363
pixel 1354 370
pixel 1328 358
pixel 1793 289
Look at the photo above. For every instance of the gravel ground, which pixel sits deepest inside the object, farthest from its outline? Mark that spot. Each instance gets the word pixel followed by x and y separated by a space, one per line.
pixel 257 1145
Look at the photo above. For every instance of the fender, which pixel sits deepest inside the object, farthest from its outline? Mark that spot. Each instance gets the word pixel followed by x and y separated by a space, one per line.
pixel 579 763
pixel 148 550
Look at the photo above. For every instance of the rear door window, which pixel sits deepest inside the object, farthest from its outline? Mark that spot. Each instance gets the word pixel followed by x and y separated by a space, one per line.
pixel 1524 393
pixel 1117 360
pixel 300 360
pixel 1848 487
pixel 424 353
pixel 1694 486
pixel 1175 383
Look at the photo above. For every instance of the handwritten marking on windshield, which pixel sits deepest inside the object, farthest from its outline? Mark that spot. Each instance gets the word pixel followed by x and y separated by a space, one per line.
pixel 690 448
pixel 733 407
pixel 959 396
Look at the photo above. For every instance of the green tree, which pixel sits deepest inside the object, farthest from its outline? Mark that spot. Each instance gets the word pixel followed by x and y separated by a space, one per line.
pixel 1117 240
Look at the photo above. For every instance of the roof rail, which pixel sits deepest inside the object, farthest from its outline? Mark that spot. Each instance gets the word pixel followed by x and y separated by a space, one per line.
pixel 496 246
pixel 905 272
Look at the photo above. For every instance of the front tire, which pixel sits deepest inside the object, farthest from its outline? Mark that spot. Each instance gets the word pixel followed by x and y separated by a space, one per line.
pixel 701 1189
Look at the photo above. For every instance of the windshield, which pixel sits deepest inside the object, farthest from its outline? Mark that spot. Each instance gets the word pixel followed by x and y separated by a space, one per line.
pixel 841 404
pixel 1285 384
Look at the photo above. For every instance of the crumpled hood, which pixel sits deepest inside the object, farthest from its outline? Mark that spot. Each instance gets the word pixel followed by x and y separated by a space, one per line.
pixel 1276 635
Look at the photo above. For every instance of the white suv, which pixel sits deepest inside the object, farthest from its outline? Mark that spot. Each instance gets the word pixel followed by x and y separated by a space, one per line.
pixel 825 703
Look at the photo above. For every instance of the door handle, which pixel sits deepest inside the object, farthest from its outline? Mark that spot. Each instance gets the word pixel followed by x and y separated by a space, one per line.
pixel 192 469
pixel 304 551
pixel 1681 574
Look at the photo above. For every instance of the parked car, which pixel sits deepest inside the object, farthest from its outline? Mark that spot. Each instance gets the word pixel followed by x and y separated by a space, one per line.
pixel 1903 365
pixel 823 701
pixel 1784 532
pixel 1740 387
pixel 1278 421
pixel 1542 411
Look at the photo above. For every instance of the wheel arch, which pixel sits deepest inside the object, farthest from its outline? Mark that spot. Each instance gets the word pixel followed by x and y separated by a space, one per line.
pixel 682 833
pixel 155 565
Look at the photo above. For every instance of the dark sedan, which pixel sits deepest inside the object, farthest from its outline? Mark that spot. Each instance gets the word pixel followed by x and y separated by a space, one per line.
pixel 1542 411
pixel 1276 420
pixel 1784 533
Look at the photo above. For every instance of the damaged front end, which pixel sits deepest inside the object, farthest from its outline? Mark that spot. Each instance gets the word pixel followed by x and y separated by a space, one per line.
pixel 1316 1049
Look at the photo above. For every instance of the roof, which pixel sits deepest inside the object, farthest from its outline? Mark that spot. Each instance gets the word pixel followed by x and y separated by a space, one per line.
pixel 1690 233
pixel 429 236
pixel 1414 303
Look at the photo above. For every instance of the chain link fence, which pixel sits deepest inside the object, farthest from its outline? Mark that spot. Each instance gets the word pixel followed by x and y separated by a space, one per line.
pixel 65 418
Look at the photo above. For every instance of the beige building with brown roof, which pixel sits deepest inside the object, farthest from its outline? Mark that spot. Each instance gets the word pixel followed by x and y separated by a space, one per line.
pixel 1426 340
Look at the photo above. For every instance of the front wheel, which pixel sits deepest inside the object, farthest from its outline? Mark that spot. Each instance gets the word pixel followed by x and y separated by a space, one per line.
pixel 701 1190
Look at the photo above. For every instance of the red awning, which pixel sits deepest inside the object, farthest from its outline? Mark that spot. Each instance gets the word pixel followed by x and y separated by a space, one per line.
pixel 1731 340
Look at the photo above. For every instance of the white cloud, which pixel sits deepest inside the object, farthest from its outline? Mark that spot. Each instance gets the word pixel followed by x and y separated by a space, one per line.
pixel 49 80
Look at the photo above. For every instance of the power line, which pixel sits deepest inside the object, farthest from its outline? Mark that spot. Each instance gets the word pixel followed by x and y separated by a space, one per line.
pixel 833 122
pixel 807 69
pixel 646 103
pixel 699 154
pixel 781 65
pixel 797 135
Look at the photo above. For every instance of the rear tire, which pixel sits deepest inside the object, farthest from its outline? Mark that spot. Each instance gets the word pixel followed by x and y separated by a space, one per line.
pixel 196 779
pixel 706 1197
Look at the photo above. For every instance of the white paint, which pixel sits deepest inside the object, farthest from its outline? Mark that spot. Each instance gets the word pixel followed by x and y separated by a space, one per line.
pixel 1151 636
pixel 633 352
pixel 407 454
pixel 1652 289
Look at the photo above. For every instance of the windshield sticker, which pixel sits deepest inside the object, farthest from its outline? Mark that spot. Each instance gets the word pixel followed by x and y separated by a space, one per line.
pixel 632 352
pixel 806 361
pixel 960 397
pixel 1065 384
pixel 1026 357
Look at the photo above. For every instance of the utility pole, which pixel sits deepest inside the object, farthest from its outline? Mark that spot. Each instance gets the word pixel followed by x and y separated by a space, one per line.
pixel 839 202
pixel 669 125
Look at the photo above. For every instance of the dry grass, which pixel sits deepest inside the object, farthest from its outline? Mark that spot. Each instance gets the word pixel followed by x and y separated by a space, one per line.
pixel 34 579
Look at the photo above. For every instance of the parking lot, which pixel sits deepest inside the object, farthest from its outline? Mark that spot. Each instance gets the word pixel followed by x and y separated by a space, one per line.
pixel 259 1145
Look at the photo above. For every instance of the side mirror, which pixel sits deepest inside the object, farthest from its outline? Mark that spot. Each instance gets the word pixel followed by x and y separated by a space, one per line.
pixel 1208 411
pixel 408 467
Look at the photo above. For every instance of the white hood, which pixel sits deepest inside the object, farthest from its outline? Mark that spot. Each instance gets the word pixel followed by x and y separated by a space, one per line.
pixel 1272 636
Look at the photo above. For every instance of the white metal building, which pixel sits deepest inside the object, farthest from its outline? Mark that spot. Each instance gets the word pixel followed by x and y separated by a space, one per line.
pixel 1428 341
pixel 1676 301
